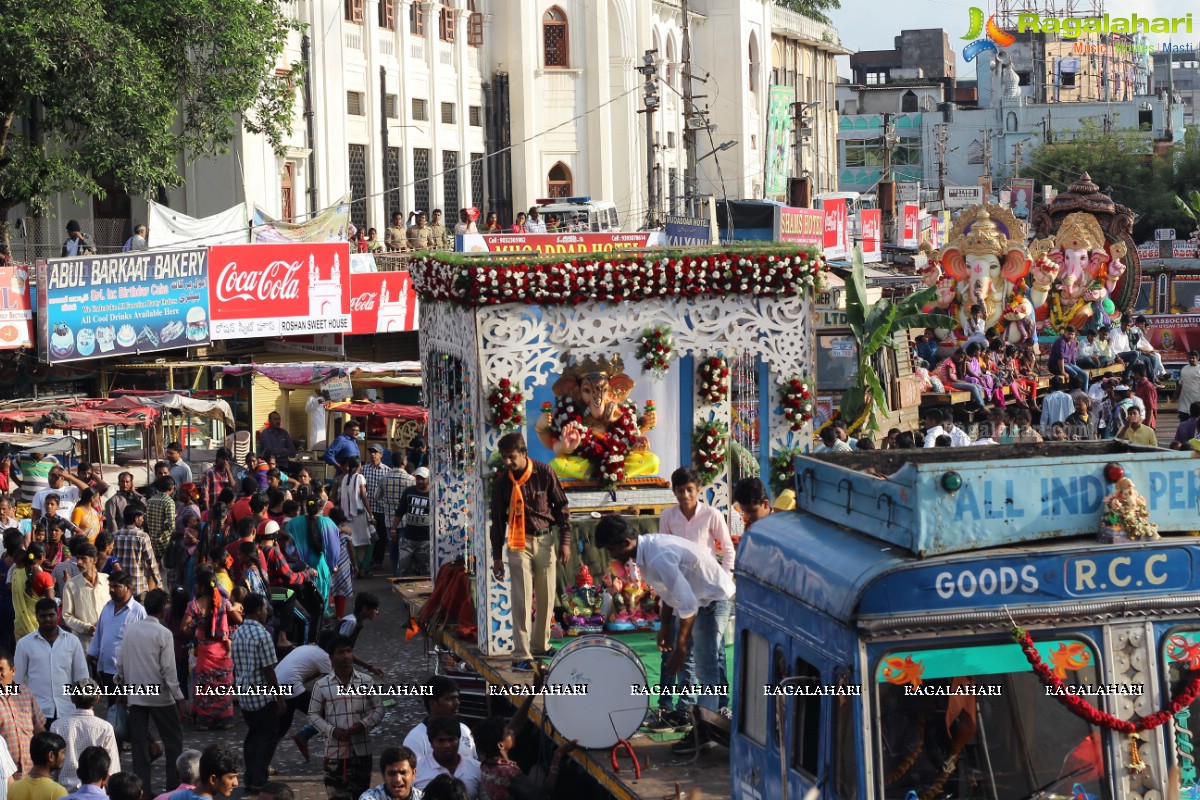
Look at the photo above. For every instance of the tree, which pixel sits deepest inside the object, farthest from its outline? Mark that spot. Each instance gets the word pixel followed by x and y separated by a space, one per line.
pixel 873 330
pixel 120 89
pixel 813 9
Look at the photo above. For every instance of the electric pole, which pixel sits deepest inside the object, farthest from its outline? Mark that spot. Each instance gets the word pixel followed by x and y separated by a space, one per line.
pixel 1019 147
pixel 689 131
pixel 943 138
pixel 650 70
pixel 887 188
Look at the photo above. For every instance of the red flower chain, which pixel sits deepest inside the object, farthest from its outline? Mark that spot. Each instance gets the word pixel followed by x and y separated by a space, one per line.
pixel 507 406
pixel 1085 710
pixel 797 396
pixel 713 386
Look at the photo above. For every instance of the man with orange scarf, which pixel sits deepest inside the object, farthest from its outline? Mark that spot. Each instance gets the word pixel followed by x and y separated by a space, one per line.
pixel 526 500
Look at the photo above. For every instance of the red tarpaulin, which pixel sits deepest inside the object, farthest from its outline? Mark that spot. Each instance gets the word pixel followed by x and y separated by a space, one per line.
pixel 385 410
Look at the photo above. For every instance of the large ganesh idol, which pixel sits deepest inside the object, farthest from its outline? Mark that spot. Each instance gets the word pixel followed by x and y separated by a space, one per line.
pixel 984 263
pixel 1084 260
pixel 595 433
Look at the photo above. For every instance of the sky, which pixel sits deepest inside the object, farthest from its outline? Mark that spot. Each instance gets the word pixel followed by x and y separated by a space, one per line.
pixel 877 29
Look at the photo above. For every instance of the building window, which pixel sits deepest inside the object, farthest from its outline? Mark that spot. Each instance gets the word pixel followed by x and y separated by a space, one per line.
pixel 477 178
pixel 354 10
pixel 474 25
pixel 450 182
pixel 416 19
pixel 670 139
pixel 907 152
pixel 876 78
pixel 975 152
pixel 554 38
pixel 908 102
pixel 864 153
pixel 287 195
pixel 420 109
pixel 354 104
pixel 475 116
pixel 754 65
pixel 421 178
pixel 559 181
pixel 448 116
pixel 393 176
pixel 446 25
pixel 387 14
pixel 391 106
pixel 358 185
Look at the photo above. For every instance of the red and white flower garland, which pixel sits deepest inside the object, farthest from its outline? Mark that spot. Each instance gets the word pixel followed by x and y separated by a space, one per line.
pixel 656 346
pixel 606 451
pixel 507 406
pixel 713 383
pixel 797 396
pixel 710 447
pixel 775 272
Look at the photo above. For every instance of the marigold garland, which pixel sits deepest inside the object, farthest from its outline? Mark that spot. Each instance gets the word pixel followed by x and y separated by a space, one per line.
pixel 797 395
pixel 713 383
pixel 1089 713
pixel 656 346
pixel 507 406
pixel 710 446
pixel 759 272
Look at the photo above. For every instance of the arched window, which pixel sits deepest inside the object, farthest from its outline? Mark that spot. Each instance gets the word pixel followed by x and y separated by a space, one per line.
pixel 559 181
pixel 753 68
pixel 1010 122
pixel 554 38
pixel 908 101
pixel 672 66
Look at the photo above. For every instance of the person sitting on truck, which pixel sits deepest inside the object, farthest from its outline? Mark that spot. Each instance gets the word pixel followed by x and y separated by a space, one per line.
pixel 1021 431
pixel 1057 405
pixel 534 222
pixel 1134 431
pixel 1187 429
pixel 938 422
pixel 693 588
pixel 1147 392
pixel 927 348
pixel 830 442
pixel 843 432
pixel 952 373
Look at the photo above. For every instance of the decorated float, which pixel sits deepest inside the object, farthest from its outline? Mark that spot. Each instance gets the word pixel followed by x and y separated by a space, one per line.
pixel 1085 263
pixel 618 368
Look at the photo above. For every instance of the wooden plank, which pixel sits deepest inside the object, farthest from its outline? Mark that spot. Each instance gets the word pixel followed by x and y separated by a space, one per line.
pixel 953 398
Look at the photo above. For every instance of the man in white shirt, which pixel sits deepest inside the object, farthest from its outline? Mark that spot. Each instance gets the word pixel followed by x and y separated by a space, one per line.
pixel 442 701
pixel 8 769
pixel 446 759
pixel 1145 349
pixel 83 729
pixel 693 587
pixel 831 442
pixel 147 663
pixel 1122 341
pixel 1057 405
pixel 48 660
pixel 1188 391
pixel 938 423
pixel 68 496
pixel 84 596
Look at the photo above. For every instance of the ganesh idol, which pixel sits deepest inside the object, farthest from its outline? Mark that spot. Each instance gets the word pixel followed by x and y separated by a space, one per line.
pixel 595 433
pixel 1079 268
pixel 984 263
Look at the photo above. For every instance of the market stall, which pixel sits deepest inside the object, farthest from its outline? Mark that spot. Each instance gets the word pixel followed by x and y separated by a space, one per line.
pixel 390 425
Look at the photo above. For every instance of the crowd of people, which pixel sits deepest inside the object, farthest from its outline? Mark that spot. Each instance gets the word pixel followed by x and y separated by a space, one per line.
pixel 421 231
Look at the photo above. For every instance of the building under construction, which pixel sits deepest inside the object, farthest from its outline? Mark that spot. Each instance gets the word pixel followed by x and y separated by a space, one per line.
pixel 1090 67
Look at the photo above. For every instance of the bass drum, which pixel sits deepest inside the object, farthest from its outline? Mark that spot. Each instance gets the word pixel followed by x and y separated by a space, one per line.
pixel 610 710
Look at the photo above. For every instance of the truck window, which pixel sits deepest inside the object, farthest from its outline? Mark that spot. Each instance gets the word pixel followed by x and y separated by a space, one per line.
pixel 806 724
pixel 753 705
pixel 1004 739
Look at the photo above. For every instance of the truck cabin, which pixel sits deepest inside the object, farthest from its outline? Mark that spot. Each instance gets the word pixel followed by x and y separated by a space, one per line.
pixel 877 649
pixel 580 214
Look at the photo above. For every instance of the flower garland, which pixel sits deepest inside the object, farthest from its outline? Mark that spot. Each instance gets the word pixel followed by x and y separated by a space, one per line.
pixel 607 450
pixel 1089 713
pixel 710 446
pixel 797 395
pixel 759 272
pixel 783 468
pixel 655 348
pixel 507 406
pixel 713 384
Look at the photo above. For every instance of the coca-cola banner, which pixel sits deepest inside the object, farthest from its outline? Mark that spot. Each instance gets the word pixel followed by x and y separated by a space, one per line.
pixel 108 306
pixel 382 302
pixel 279 289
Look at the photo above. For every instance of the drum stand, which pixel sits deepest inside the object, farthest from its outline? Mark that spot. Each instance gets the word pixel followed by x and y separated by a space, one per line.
pixel 637 767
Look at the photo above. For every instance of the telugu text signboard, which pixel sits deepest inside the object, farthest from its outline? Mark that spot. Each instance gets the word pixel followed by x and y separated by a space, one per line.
pixel 382 302
pixel 558 243
pixel 802 226
pixel 107 306
pixel 280 289
pixel 688 231
pixel 16 315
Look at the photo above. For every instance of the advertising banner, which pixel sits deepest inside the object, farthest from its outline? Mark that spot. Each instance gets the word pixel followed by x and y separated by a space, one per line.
pixel 779 134
pixel 837 229
pixel 280 289
pixel 963 196
pixel 688 231
pixel 910 228
pixel 173 229
pixel 1022 197
pixel 16 315
pixel 331 225
pixel 908 191
pixel 558 243
pixel 803 226
pixel 108 306
pixel 872 235
pixel 382 302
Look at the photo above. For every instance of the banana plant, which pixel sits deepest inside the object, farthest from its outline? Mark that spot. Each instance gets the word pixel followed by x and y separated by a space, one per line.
pixel 874 329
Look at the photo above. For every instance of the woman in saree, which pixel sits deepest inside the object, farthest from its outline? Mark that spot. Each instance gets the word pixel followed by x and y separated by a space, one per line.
pixel 316 537
pixel 208 618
